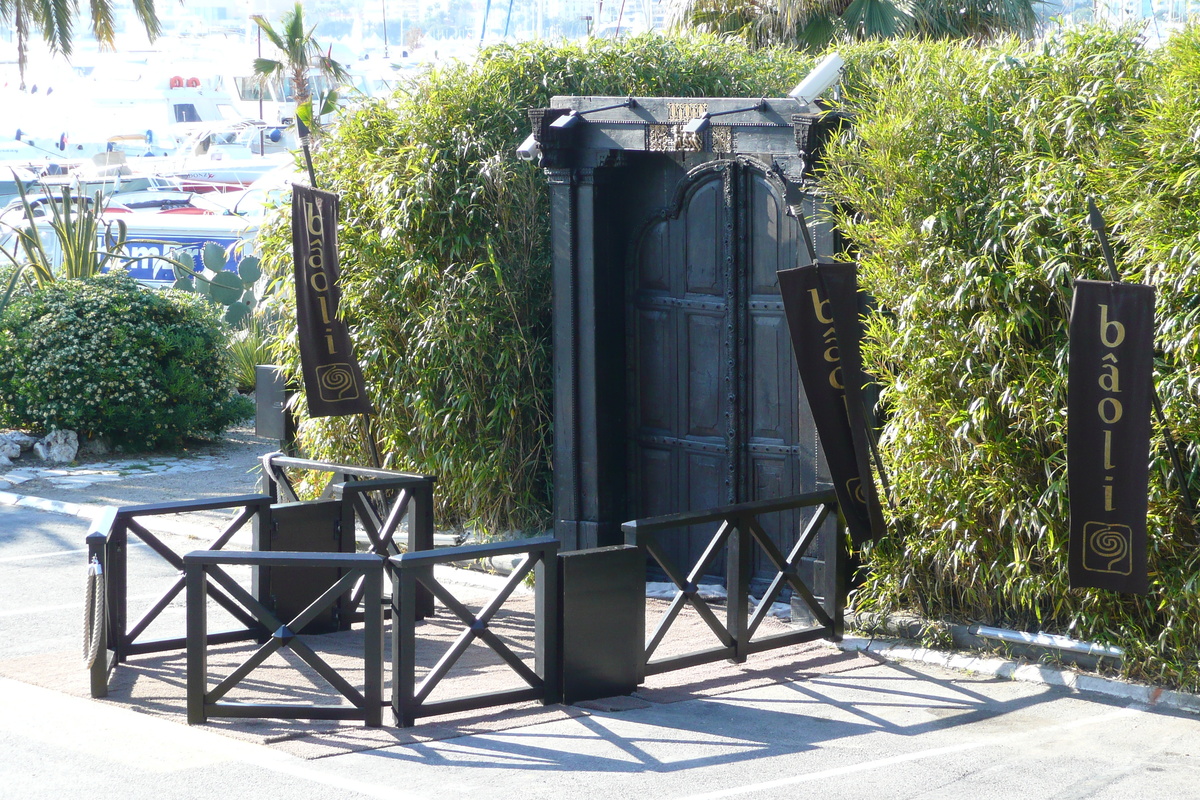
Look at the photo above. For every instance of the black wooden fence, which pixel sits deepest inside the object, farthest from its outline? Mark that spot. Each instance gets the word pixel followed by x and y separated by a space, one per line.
pixel 412 576
pixel 738 533
pixel 410 700
pixel 108 545
pixel 206 568
pixel 380 499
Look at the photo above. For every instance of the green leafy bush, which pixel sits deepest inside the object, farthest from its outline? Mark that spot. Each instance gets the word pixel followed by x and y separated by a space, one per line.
pixel 965 186
pixel 445 257
pixel 106 357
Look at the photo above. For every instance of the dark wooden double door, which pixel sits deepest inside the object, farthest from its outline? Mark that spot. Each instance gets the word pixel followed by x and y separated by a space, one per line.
pixel 716 412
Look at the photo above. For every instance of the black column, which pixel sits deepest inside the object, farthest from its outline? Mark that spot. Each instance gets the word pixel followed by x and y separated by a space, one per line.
pixel 589 393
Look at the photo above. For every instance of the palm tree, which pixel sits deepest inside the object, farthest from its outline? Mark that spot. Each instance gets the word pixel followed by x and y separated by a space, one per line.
pixel 299 56
pixel 54 20
pixel 814 24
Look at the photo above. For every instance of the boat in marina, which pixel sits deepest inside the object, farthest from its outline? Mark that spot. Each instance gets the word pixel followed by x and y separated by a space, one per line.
pixel 176 145
pixel 229 155
pixel 78 120
pixel 230 219
pixel 12 183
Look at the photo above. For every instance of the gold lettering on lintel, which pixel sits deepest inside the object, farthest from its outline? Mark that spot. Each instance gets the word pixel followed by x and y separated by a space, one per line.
pixel 672 139
pixel 685 112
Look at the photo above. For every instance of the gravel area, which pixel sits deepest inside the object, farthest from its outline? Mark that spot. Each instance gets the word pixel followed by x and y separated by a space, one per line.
pixel 202 468
pixel 226 466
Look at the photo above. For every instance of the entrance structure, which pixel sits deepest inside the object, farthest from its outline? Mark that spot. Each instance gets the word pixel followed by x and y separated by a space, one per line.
pixel 675 386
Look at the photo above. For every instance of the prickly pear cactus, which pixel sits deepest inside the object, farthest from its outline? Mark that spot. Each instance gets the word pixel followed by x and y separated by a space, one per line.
pixel 233 290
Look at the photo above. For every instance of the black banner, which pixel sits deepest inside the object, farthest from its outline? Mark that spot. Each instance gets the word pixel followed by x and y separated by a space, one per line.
pixel 333 381
pixel 1109 388
pixel 821 303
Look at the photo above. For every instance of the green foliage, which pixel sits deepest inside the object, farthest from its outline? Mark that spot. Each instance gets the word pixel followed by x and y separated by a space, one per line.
pixel 965 186
pixel 106 357
pixel 445 257
pixel 250 346
pixel 818 24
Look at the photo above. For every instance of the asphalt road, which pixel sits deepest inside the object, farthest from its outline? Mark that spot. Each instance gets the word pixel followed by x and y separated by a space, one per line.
pixel 887 731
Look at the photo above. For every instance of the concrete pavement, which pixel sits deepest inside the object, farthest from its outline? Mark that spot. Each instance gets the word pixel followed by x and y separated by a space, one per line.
pixel 886 729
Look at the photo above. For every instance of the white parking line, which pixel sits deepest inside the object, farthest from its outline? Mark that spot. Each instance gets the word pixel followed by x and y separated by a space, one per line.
pixel 54 553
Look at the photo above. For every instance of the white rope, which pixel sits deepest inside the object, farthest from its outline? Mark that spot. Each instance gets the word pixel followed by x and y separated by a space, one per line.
pixel 93 612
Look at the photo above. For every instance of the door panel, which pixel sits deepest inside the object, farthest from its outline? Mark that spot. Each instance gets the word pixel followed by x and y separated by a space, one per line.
pixel 702 375
pixel 703 220
pixel 656 357
pixel 719 416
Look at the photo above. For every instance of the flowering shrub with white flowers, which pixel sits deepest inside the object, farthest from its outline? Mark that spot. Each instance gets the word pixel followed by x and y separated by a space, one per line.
pixel 106 357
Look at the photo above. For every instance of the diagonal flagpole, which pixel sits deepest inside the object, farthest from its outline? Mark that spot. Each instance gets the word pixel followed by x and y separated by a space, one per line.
pixel 1096 221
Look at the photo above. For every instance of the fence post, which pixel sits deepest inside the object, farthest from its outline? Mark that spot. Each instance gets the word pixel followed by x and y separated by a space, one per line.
pixel 547 652
pixel 420 532
pixel 197 634
pixel 739 558
pixel 373 649
pixel 836 563
pixel 98 672
pixel 118 585
pixel 404 641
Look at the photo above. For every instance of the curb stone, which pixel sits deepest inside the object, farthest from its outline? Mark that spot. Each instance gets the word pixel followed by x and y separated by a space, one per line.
pixel 85 510
pixel 1152 696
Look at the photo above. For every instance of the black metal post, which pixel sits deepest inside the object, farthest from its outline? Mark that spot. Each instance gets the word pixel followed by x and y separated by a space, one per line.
pixel 739 562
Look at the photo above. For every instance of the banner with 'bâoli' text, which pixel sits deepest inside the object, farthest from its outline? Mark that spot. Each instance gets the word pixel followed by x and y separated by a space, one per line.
pixel 333 381
pixel 822 308
pixel 1109 391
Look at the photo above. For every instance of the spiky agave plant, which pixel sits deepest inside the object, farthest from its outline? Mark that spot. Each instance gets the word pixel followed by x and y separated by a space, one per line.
pixel 81 242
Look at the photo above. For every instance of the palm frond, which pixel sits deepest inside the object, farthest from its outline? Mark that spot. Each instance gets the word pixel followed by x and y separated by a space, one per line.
pixel 102 21
pixel 149 17
pixel 876 19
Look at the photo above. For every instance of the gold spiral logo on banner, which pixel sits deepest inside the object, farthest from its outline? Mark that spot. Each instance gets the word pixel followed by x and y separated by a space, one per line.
pixel 854 488
pixel 1108 548
pixel 336 382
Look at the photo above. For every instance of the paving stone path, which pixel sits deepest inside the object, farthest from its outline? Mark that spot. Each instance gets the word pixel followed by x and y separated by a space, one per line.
pixel 105 472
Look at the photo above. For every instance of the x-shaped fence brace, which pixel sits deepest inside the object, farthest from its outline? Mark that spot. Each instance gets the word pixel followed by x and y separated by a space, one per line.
pixel 381 499
pixel 205 567
pixel 108 543
pixel 381 530
pixel 740 524
pixel 411 570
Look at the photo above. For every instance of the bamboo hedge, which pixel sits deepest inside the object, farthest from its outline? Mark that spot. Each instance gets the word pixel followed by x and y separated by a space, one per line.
pixel 964 187
pixel 962 184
